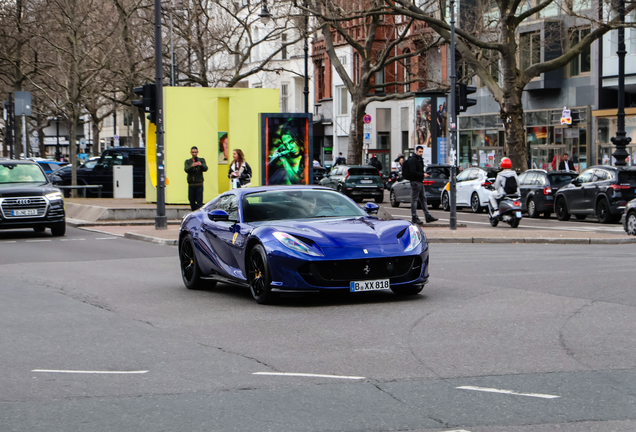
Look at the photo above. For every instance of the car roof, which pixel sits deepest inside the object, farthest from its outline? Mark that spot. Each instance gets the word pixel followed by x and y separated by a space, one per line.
pixel 254 189
pixel 18 161
pixel 438 165
pixel 563 172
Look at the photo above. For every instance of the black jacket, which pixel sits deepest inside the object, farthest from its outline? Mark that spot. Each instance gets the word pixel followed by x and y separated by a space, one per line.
pixel 562 165
pixel 415 168
pixel 374 162
pixel 340 161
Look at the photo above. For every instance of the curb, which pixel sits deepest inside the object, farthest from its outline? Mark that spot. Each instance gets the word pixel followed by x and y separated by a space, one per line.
pixel 155 240
pixel 483 240
pixel 77 223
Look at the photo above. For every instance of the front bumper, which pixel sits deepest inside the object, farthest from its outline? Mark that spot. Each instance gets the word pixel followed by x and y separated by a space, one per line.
pixel 364 193
pixel 54 214
pixel 290 273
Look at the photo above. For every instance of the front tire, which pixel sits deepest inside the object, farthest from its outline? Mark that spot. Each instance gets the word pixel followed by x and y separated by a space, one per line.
pixel 561 210
pixel 493 221
pixel 393 199
pixel 258 275
pixel 532 209
pixel 379 200
pixel 514 223
pixel 59 229
pixel 631 223
pixel 445 202
pixel 475 205
pixel 190 271
pixel 407 290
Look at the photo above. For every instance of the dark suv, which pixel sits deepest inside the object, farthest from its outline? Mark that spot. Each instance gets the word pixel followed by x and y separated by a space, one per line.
pixel 102 173
pixel 433 186
pixel 28 199
pixel 600 191
pixel 538 188
pixel 357 182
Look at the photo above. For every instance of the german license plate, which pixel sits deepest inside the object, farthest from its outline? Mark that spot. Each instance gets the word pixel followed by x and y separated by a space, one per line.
pixel 372 285
pixel 518 214
pixel 29 212
pixel 366 181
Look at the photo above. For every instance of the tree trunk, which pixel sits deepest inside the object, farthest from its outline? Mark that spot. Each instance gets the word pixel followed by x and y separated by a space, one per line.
pixel 135 122
pixel 41 142
pixel 97 145
pixel 515 146
pixel 356 130
pixel 72 147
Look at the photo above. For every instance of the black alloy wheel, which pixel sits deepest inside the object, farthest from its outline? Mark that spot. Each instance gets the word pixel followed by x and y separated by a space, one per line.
pixel 561 210
pixel 603 211
pixel 532 209
pixel 445 202
pixel 258 275
pixel 190 271
pixel 631 223
pixel 475 205
pixel 393 199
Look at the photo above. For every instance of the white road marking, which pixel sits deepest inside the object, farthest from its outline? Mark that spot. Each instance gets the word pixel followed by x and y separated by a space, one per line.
pixel 493 390
pixel 13 241
pixel 37 241
pixel 88 372
pixel 308 375
pixel 72 239
pixel 106 238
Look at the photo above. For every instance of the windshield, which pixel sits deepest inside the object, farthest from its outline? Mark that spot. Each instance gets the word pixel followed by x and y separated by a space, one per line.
pixel 21 173
pixel 438 172
pixel 363 172
pixel 297 204
pixel 560 180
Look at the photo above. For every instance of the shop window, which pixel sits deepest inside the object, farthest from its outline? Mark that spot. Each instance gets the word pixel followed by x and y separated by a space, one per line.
pixel 529 49
pixel 582 63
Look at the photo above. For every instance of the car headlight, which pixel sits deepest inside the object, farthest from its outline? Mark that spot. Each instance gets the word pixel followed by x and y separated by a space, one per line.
pixel 294 244
pixel 415 238
pixel 55 196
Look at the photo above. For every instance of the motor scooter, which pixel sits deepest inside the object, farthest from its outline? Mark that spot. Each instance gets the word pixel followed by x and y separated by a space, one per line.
pixel 509 210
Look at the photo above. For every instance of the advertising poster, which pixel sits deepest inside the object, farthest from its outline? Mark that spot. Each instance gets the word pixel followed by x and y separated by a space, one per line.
pixel 442 129
pixel 224 146
pixel 286 146
pixel 424 126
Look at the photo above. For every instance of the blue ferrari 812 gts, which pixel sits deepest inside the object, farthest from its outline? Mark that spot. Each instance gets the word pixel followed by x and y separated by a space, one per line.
pixel 299 239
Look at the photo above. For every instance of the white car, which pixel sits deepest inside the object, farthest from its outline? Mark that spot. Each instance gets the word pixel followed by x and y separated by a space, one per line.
pixel 471 189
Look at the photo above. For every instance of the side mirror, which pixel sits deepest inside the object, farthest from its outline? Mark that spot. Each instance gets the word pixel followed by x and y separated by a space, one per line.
pixel 218 215
pixel 371 208
pixel 55 179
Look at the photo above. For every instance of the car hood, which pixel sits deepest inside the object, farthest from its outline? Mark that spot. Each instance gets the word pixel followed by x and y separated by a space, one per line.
pixel 339 232
pixel 25 189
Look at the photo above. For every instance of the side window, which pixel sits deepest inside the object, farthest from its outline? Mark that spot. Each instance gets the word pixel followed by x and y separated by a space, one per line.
pixel 541 180
pixel 463 176
pixel 137 160
pixel 112 158
pixel 522 178
pixel 229 204
pixel 601 175
pixel 529 180
pixel 473 175
pixel 586 176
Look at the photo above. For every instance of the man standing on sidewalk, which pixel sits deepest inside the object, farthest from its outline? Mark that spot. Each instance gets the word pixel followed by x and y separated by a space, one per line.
pixel 195 167
pixel 413 171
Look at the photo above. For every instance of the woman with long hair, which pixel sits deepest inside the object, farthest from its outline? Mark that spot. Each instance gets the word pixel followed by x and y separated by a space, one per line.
pixel 286 159
pixel 240 173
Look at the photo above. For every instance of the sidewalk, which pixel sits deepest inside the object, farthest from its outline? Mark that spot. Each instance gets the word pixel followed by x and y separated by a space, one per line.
pixel 435 235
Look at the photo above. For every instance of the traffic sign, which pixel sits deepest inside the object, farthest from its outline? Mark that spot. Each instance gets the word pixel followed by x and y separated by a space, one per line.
pixel 367 136
pixel 82 143
pixel 367 119
pixel 116 137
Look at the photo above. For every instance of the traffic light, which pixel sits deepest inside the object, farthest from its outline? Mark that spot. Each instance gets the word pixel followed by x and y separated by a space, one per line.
pixel 148 102
pixel 464 101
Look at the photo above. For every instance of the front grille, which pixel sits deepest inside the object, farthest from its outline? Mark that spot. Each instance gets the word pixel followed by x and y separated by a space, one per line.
pixel 9 205
pixel 340 273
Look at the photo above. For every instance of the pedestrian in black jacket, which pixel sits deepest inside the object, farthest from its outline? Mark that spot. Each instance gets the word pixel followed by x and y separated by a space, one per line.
pixel 414 172
pixel 374 162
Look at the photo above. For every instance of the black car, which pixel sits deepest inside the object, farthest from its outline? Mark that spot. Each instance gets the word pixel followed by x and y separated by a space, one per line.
pixel 600 191
pixel 357 182
pixel 102 172
pixel 538 188
pixel 629 218
pixel 319 174
pixel 28 199
pixel 439 175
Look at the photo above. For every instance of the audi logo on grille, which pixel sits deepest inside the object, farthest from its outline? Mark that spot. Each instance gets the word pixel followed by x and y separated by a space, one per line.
pixel 24 201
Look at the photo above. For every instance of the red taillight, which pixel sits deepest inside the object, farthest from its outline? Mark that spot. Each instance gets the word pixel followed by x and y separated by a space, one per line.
pixel 547 190
pixel 347 176
pixel 486 184
pixel 516 203
pixel 428 182
pixel 620 186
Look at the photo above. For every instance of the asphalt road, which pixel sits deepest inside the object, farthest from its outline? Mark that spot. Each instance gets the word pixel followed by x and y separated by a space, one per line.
pixel 519 337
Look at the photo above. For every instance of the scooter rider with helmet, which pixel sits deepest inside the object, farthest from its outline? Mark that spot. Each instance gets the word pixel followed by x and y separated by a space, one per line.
pixel 507 183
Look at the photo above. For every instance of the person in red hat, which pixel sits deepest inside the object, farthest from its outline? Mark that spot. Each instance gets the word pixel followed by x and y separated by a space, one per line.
pixel 507 183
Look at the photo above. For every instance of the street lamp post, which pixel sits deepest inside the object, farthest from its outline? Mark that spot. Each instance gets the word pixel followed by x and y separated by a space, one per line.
pixel 58 154
pixel 453 123
pixel 621 140
pixel 306 48
pixel 161 221
pixel 265 16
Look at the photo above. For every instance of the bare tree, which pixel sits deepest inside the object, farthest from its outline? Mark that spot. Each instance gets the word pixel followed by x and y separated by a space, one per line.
pixel 377 41
pixel 492 33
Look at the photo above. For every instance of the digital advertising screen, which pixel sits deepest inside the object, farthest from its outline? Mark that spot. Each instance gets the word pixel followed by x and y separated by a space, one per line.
pixel 286 142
